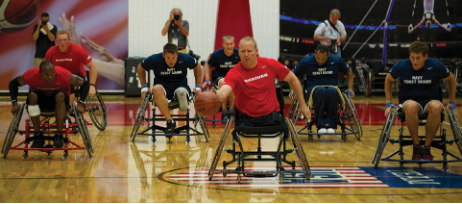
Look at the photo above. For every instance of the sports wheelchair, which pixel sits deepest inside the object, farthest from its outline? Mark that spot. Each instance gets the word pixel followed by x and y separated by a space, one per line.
pixel 157 130
pixel 347 112
pixel 439 142
pixel 48 129
pixel 96 109
pixel 260 132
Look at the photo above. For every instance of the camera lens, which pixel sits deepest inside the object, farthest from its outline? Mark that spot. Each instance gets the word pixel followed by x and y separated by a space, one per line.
pixel 176 17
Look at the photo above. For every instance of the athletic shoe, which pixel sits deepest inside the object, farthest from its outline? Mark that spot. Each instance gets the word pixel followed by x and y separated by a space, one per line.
pixel 322 131
pixel 39 141
pixel 427 156
pixel 171 125
pixel 418 152
pixel 58 141
pixel 330 131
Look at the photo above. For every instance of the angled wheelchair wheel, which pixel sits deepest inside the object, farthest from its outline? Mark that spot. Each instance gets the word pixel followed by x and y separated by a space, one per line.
pixel 384 136
pixel 97 111
pixel 12 130
pixel 352 117
pixel 140 116
pixel 456 129
pixel 299 149
pixel 293 111
pixel 83 130
pixel 221 146
pixel 204 128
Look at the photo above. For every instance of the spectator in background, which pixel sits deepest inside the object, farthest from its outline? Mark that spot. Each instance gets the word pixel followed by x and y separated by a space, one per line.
pixel 44 36
pixel 331 32
pixel 178 30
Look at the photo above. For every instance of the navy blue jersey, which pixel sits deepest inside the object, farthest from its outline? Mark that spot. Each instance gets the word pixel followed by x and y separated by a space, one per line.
pixel 169 76
pixel 419 84
pixel 223 63
pixel 326 74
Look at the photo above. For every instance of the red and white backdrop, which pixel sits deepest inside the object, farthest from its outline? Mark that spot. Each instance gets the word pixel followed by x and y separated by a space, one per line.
pixel 105 22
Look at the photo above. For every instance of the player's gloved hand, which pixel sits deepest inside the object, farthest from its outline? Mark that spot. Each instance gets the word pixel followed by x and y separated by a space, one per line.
pixel 292 94
pixel 207 85
pixel 144 90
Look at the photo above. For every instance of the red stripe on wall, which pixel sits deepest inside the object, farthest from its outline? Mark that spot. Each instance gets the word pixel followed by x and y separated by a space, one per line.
pixel 233 18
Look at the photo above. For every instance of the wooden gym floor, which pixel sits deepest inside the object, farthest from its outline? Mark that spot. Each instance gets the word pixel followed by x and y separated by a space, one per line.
pixel 143 171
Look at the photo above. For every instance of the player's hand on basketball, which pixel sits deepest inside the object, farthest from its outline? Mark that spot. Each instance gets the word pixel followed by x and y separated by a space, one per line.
pixel 15 108
pixel 80 108
pixel 292 94
pixel 92 91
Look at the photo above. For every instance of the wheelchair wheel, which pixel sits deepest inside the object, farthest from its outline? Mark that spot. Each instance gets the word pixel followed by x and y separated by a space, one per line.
pixel 204 128
pixel 83 130
pixel 140 116
pixel 352 117
pixel 293 111
pixel 456 131
pixel 299 149
pixel 12 130
pixel 221 146
pixel 97 111
pixel 384 136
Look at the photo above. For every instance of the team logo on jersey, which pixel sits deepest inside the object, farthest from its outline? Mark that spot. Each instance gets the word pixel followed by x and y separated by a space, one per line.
pixel 256 78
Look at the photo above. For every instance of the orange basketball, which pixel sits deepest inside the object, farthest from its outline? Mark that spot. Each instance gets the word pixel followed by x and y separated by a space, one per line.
pixel 207 104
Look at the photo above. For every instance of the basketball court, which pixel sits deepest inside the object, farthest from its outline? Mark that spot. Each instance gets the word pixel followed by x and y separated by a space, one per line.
pixel 143 171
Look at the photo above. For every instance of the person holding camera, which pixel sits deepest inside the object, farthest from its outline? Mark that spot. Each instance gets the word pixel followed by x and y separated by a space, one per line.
pixel 331 32
pixel 44 36
pixel 170 80
pixel 177 29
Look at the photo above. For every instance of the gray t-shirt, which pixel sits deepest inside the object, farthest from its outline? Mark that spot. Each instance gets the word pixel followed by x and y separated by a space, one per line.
pixel 174 33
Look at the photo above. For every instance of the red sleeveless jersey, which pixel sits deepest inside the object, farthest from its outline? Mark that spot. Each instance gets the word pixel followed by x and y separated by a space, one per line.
pixel 60 84
pixel 73 59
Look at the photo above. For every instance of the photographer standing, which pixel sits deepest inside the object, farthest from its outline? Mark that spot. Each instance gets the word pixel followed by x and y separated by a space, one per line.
pixel 331 32
pixel 44 35
pixel 178 29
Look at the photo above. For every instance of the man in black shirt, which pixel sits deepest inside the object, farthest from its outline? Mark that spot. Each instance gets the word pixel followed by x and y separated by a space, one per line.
pixel 44 36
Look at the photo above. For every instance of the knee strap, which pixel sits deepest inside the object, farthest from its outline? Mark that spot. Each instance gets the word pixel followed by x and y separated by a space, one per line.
pixel 34 110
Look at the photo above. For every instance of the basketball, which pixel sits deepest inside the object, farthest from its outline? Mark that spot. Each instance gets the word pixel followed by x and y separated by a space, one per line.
pixel 16 15
pixel 207 104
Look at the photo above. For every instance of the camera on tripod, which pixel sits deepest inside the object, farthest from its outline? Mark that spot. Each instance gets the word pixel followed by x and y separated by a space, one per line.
pixel 191 53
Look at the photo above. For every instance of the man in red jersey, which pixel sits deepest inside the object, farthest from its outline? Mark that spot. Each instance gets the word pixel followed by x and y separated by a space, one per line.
pixel 48 92
pixel 73 58
pixel 252 82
